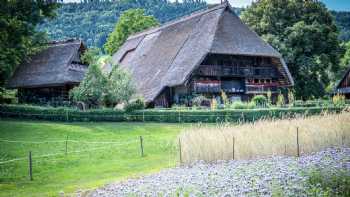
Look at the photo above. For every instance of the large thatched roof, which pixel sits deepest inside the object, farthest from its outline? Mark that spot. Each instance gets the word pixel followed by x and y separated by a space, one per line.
pixel 55 65
pixel 165 56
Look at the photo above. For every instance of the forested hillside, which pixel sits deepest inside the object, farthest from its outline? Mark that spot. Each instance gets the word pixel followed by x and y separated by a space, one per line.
pixel 343 22
pixel 92 21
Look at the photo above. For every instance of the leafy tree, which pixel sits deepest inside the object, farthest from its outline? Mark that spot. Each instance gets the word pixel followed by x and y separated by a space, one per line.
pixel 92 89
pixel 91 56
pixel 306 35
pixel 18 36
pixel 120 88
pixel 131 21
pixel 345 61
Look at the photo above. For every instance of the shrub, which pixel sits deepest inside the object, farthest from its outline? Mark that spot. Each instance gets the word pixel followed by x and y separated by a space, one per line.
pixel 291 97
pixel 155 115
pixel 138 104
pixel 280 100
pixel 200 100
pixel 225 100
pixel 338 100
pixel 328 183
pixel 260 100
pixel 213 104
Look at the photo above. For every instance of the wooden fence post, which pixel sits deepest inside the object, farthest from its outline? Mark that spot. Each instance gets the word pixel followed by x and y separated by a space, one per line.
pixel 298 148
pixel 179 117
pixel 30 166
pixel 67 145
pixel 141 145
pixel 180 151
pixel 233 148
pixel 143 116
pixel 285 149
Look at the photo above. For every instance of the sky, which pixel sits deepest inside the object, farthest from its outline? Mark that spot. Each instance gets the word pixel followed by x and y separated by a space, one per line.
pixel 339 5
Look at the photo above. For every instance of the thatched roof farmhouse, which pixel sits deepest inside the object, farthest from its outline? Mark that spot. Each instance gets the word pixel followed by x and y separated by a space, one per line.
pixel 204 53
pixel 51 73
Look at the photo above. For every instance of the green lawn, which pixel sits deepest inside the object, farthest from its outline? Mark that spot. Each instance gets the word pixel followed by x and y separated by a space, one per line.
pixel 97 164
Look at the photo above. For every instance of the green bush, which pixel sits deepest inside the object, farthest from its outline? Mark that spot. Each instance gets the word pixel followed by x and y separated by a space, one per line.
pixel 156 115
pixel 243 105
pixel 138 104
pixel 329 183
pixel 260 100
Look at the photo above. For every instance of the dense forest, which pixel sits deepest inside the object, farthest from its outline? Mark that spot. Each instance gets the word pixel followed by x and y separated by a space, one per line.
pixel 343 21
pixel 92 21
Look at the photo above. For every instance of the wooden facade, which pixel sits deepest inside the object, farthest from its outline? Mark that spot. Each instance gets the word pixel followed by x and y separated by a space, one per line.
pixel 343 87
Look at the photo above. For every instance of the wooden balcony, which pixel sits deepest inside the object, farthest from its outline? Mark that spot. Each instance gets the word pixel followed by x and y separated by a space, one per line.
pixel 236 71
pixel 207 86
pixel 214 86
pixel 261 88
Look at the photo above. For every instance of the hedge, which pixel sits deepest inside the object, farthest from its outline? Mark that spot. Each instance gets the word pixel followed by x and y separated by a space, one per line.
pixel 154 115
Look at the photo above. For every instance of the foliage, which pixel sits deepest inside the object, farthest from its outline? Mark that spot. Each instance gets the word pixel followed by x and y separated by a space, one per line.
pixel 8 96
pixel 345 61
pixel 137 104
pixel 338 100
pixel 156 115
pixel 343 22
pixel 306 35
pixel 213 104
pixel 322 182
pixel 260 100
pixel 243 105
pixel 269 96
pixel 131 21
pixel 291 97
pixel 200 100
pixel 91 56
pixel 225 100
pixel 280 100
pixel 93 21
pixel 19 38
pixel 119 86
pixel 92 89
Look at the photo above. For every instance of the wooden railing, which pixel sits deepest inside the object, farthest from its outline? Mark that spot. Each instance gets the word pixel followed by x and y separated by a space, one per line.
pixel 254 88
pixel 218 70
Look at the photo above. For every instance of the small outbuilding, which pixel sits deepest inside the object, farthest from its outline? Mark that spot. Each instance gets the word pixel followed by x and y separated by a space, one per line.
pixel 343 86
pixel 49 75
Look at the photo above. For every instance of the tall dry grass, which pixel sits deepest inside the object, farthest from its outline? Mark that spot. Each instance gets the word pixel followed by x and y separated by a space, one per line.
pixel 264 138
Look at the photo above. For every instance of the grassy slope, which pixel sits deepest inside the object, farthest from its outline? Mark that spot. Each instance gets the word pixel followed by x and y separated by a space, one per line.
pixel 81 170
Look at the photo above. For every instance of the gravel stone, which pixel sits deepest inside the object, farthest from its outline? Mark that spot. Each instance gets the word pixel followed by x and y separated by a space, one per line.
pixel 232 178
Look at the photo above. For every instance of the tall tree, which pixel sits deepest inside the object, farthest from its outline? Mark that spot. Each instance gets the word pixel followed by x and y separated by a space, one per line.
pixel 18 36
pixel 131 21
pixel 345 61
pixel 306 35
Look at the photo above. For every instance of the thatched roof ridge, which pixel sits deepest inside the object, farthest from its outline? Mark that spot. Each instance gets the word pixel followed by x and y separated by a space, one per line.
pixel 53 66
pixel 165 56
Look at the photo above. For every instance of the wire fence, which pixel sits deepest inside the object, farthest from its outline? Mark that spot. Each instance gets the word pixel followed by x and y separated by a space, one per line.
pixel 114 144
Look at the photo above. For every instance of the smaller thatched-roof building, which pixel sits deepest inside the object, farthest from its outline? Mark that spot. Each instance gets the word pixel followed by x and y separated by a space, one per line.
pixel 343 86
pixel 51 73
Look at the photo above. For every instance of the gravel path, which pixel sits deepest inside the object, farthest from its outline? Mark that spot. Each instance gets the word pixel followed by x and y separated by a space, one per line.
pixel 232 178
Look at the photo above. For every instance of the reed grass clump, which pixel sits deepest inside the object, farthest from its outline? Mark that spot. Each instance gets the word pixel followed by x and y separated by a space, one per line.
pixel 264 138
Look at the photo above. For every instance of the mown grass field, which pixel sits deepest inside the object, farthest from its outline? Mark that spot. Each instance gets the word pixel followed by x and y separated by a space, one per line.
pixel 96 164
